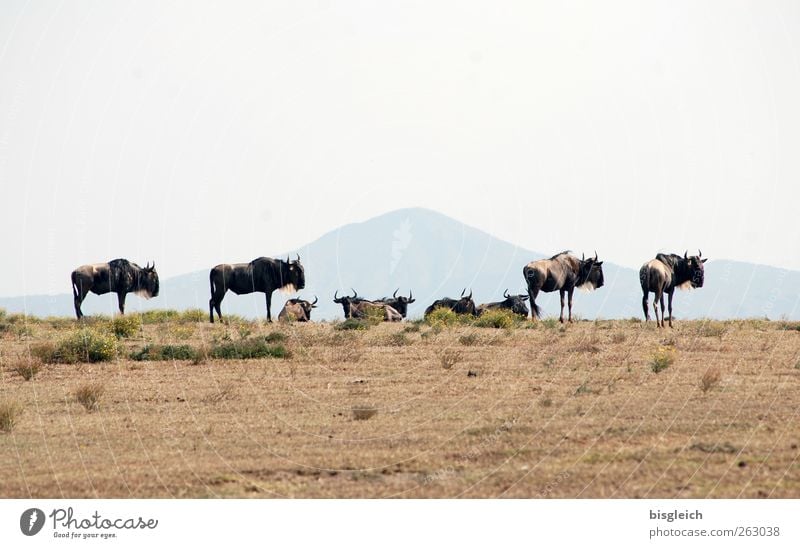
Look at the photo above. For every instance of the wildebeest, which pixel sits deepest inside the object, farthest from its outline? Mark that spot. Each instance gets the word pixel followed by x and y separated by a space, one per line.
pixel 398 303
pixel 263 275
pixel 119 276
pixel 462 305
pixel 564 273
pixel 514 303
pixel 297 310
pixel 357 307
pixel 666 272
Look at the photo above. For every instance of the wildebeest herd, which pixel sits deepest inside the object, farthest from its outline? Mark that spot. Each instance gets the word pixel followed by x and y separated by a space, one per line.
pixel 562 272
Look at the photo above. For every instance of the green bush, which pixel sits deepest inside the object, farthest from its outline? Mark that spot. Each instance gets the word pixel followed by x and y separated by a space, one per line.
pixel 193 315
pixel 247 349
pixel 445 317
pixel 352 324
pixel 83 345
pixel 499 319
pixel 159 316
pixel 275 337
pixel 159 352
pixel 126 326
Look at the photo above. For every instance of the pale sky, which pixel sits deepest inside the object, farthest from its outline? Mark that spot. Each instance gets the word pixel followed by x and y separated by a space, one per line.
pixel 194 133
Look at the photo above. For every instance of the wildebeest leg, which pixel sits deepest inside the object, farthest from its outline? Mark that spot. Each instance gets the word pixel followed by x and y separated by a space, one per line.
pixel 269 305
pixel 532 294
pixel 79 295
pixel 561 316
pixel 669 297
pixel 644 307
pixel 121 299
pixel 569 303
pixel 657 296
pixel 662 309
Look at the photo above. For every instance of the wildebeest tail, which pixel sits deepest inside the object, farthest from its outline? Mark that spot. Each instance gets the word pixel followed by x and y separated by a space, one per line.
pixel 644 278
pixel 74 278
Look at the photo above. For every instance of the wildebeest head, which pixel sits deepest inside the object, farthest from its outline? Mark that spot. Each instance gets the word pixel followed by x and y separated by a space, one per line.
pixel 346 301
pixel 400 303
pixel 516 303
pixel 465 305
pixel 590 273
pixel 694 264
pixel 148 281
pixel 294 277
pixel 305 305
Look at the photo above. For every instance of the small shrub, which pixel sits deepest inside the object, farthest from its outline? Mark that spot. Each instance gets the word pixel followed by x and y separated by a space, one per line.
pixel 83 345
pixel 710 379
pixel 663 357
pixel 469 340
pixel 155 352
pixel 27 368
pixel 398 339
pixel 88 395
pixel 618 337
pixel 193 315
pixel 275 337
pixel 9 413
pixel 584 389
pixel 126 326
pixel 412 328
pixel 248 349
pixel 352 324
pixel 550 323
pixel 442 317
pixel 498 319
pixel 224 393
pixel 364 412
pixel 449 358
pixel 712 329
pixel 159 316
pixel 546 401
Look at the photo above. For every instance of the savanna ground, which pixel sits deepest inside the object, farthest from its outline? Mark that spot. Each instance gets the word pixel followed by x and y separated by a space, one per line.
pixel 593 409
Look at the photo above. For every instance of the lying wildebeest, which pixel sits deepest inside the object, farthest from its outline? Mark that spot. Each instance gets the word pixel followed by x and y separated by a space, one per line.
pixel 666 272
pixel 564 273
pixel 262 275
pixel 297 310
pixel 398 303
pixel 357 307
pixel 119 276
pixel 463 305
pixel 514 303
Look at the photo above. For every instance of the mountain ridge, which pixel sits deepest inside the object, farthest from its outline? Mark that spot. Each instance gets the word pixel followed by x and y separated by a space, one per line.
pixel 433 255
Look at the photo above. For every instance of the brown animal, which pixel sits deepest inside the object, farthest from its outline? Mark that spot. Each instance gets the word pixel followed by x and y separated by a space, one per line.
pixel 297 310
pixel 561 272
pixel 119 276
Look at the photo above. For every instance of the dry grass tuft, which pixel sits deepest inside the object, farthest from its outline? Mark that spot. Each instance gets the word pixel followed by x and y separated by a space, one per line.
pixel 226 392
pixel 449 358
pixel 88 395
pixel 663 357
pixel 365 412
pixel 9 413
pixel 710 379
pixel 27 368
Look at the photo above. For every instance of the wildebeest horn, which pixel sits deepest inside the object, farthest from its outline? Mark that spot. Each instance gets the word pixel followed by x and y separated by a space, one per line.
pixel 463 291
pixel 505 293
pixel 298 258
pixel 288 259
pixel 699 253
pixel 394 295
pixel 686 254
pixel 595 255
pixel 410 295
pixel 335 294
pixel 355 295
pixel 470 294
pixel 583 257
pixel 315 300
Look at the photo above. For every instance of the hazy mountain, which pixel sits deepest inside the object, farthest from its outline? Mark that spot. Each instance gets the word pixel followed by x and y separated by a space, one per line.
pixel 437 256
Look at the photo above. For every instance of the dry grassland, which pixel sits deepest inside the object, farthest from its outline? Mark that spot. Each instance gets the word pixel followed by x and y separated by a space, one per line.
pixel 407 410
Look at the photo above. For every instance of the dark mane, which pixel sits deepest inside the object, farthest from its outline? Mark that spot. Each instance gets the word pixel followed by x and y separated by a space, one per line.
pixel 565 252
pixel 669 259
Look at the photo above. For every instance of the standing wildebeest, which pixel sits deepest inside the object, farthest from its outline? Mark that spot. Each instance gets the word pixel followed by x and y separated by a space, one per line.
pixel 666 272
pixel 356 307
pixel 119 276
pixel 398 303
pixel 297 310
pixel 463 305
pixel 263 275
pixel 514 303
pixel 564 273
